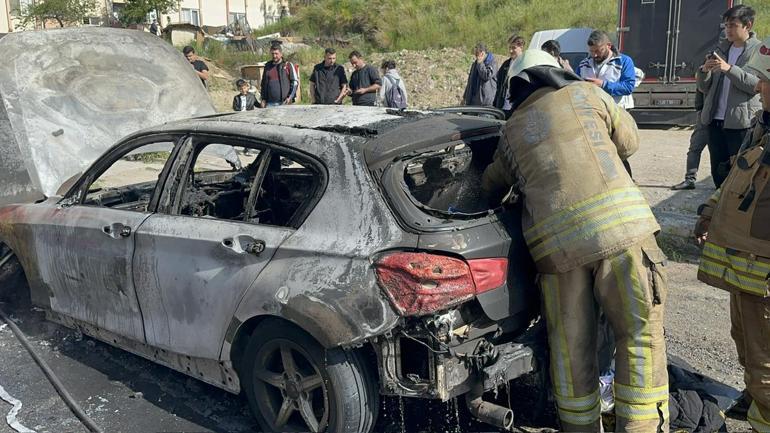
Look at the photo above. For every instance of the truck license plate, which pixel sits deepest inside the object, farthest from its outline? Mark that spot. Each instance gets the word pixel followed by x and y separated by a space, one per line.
pixel 667 102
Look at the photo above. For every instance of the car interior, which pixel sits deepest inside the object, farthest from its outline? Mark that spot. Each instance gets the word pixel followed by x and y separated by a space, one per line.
pixel 215 192
pixel 449 179
pixel 128 184
pixel 217 186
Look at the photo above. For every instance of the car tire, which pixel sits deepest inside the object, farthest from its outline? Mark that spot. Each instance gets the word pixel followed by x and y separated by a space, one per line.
pixel 310 389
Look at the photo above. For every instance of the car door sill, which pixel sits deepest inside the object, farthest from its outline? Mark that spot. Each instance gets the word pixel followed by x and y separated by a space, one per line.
pixel 212 371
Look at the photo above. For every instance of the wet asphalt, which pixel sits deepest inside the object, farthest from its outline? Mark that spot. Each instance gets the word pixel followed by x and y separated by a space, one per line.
pixel 123 392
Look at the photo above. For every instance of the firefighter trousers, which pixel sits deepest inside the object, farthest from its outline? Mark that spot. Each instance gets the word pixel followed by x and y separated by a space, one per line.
pixel 631 289
pixel 750 317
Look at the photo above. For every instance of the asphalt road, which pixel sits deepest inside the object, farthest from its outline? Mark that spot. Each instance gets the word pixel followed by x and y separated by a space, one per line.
pixel 125 393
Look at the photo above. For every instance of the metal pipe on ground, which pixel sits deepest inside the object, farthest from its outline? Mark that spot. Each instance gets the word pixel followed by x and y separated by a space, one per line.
pixel 487 412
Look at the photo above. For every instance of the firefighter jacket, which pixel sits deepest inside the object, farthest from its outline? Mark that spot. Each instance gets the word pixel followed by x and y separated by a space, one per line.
pixel 562 150
pixel 736 255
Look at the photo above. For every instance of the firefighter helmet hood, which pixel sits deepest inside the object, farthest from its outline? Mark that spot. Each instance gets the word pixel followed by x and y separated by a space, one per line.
pixel 530 59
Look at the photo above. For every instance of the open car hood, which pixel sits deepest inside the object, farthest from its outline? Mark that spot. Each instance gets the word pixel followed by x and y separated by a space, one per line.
pixel 69 94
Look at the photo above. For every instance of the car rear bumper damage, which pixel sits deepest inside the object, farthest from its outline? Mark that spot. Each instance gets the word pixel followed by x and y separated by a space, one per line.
pixel 427 359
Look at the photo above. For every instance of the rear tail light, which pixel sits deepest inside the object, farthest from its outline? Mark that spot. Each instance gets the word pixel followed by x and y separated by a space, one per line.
pixel 422 283
pixel 488 274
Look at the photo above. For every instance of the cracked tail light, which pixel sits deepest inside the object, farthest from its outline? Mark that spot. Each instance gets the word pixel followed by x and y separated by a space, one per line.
pixel 423 283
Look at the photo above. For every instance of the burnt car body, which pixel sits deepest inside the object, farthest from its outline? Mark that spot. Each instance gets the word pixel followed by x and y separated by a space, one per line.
pixel 314 258
pixel 358 232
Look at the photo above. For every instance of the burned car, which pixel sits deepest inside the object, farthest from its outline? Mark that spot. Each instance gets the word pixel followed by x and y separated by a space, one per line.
pixel 314 258
pixel 348 253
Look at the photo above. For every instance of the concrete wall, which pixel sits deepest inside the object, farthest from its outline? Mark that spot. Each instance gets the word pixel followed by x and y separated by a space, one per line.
pixel 215 12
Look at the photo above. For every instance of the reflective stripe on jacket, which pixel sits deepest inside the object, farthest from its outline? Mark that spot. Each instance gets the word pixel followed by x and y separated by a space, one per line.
pixel 737 254
pixel 563 151
pixel 734 270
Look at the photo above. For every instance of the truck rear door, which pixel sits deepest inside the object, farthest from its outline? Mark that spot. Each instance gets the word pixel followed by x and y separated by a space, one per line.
pixel 669 39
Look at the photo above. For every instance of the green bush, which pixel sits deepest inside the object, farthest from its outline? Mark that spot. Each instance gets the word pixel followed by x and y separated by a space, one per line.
pixel 419 24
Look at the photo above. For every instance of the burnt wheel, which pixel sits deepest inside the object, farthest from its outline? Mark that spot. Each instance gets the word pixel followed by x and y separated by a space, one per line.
pixel 294 385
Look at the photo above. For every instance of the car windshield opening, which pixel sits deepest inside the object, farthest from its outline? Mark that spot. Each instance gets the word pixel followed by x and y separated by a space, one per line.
pixel 129 183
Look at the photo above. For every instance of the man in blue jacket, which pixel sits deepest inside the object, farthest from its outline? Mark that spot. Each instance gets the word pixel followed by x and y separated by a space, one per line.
pixel 612 71
pixel 482 78
pixel 607 68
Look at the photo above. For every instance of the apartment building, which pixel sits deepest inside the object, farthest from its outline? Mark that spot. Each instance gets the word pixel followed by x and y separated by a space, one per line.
pixel 217 13
pixel 212 13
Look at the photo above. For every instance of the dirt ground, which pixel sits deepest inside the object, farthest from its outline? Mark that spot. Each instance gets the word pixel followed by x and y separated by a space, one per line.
pixel 124 393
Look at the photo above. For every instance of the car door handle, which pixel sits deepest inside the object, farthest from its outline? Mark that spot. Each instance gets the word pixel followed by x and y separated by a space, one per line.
pixel 244 245
pixel 117 230
pixel 255 247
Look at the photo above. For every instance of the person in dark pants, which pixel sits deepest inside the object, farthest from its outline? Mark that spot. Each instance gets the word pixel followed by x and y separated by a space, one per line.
pixel 698 141
pixel 364 81
pixel 730 100
pixel 482 78
pixel 515 48
pixel 200 67
pixel 279 80
pixel 328 83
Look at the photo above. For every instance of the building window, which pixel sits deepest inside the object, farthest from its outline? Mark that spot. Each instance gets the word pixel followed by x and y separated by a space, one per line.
pixel 236 16
pixel 18 5
pixel 92 21
pixel 191 16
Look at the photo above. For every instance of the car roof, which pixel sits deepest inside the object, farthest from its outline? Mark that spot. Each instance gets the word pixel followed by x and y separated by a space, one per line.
pixel 333 118
pixel 388 133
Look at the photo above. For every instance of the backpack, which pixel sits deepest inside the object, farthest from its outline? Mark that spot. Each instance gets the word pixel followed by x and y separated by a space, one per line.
pixel 395 97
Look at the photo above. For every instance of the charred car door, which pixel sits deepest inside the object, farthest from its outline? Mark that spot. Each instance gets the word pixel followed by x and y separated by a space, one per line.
pixel 89 238
pixel 217 227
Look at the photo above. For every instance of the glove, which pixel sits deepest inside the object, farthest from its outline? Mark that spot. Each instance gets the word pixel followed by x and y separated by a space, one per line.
pixel 701 230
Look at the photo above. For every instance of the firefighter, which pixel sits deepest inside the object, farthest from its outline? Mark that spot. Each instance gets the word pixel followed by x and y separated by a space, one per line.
pixel 734 229
pixel 591 233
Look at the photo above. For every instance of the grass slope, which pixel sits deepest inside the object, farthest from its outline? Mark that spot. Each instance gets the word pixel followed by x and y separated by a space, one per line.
pixel 393 25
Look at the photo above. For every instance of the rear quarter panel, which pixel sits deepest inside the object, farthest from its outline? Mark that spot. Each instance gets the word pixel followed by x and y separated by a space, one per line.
pixel 321 277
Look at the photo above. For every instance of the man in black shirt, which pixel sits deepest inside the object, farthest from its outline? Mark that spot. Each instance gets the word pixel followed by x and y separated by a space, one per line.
pixel 328 83
pixel 200 67
pixel 364 82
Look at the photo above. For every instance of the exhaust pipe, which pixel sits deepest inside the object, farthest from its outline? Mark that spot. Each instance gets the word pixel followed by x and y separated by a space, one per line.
pixel 486 412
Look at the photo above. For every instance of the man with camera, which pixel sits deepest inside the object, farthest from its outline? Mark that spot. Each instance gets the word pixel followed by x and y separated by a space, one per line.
pixel 730 100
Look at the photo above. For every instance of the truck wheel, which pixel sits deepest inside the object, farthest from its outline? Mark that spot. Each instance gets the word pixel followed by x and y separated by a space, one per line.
pixel 294 385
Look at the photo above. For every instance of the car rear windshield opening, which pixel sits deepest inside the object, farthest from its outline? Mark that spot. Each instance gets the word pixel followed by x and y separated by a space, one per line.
pixel 447 182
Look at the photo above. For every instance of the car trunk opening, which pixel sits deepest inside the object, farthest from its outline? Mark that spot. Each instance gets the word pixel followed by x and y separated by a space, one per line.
pixel 443 183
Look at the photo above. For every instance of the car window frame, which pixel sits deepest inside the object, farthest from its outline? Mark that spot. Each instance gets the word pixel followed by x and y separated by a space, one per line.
pixel 78 192
pixel 170 203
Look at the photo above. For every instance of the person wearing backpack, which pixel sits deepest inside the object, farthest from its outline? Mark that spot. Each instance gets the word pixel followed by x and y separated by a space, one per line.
pixel 393 91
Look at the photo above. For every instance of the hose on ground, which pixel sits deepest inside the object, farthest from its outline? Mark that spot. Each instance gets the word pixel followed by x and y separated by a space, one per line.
pixel 57 384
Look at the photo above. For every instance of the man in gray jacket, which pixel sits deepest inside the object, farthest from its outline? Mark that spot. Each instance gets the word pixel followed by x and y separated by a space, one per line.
pixel 482 78
pixel 730 99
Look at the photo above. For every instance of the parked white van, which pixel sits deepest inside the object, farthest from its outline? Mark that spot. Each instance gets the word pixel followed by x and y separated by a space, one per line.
pixel 574 42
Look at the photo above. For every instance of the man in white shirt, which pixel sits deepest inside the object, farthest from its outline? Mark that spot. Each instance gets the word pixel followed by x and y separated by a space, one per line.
pixel 730 100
